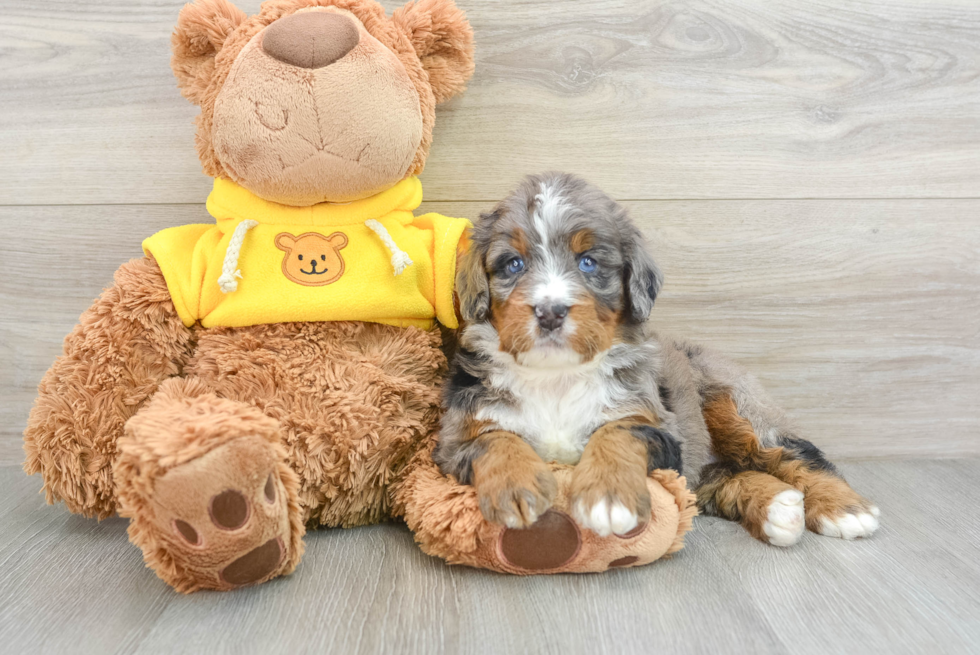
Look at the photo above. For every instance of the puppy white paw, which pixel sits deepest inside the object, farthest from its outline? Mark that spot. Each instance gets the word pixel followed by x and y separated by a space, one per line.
pixel 784 525
pixel 852 525
pixel 604 518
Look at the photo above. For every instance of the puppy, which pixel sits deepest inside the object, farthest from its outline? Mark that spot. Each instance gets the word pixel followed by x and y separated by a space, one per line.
pixel 556 362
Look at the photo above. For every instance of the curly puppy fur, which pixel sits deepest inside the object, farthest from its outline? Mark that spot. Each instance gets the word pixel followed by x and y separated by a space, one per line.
pixel 555 353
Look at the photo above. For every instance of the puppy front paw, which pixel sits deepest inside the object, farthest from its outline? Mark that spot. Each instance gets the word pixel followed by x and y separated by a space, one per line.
pixel 611 501
pixel 517 495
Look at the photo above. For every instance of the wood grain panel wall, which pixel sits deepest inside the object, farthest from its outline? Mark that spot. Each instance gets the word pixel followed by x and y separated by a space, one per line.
pixel 808 174
pixel 861 317
pixel 649 98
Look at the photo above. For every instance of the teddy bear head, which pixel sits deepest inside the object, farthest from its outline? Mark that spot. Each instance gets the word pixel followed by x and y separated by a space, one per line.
pixel 313 101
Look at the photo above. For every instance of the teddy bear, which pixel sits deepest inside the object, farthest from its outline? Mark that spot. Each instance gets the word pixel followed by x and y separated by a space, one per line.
pixel 279 368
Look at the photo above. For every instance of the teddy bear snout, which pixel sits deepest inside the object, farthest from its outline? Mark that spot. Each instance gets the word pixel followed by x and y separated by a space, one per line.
pixel 310 39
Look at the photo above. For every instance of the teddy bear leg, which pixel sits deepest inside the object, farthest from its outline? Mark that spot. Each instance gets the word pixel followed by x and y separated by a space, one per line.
pixel 448 523
pixel 204 481
pixel 128 342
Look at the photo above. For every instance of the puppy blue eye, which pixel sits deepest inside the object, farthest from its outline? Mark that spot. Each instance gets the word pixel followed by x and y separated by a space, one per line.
pixel 587 265
pixel 516 265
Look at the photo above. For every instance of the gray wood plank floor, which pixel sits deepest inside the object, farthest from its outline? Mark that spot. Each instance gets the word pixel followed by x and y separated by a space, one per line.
pixel 69 584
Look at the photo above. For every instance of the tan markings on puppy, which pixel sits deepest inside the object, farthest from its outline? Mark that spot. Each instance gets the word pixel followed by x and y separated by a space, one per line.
pixel 513 320
pixel 519 242
pixel 746 497
pixel 513 484
pixel 582 241
pixel 596 328
pixel 613 469
pixel 642 417
pixel 732 436
pixel 472 429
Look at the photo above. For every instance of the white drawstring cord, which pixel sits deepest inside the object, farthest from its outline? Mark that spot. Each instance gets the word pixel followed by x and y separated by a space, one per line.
pixel 399 258
pixel 229 270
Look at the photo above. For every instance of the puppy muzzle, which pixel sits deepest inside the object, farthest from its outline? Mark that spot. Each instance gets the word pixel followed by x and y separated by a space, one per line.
pixel 550 316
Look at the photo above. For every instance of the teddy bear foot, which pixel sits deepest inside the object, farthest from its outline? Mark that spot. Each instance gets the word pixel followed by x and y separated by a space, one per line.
pixel 555 542
pixel 448 523
pixel 227 515
pixel 212 503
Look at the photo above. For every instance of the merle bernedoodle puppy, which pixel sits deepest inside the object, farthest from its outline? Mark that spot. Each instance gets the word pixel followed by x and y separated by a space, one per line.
pixel 557 362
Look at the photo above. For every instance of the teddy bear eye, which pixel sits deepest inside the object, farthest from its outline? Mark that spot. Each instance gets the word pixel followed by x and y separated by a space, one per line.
pixel 323 258
pixel 301 257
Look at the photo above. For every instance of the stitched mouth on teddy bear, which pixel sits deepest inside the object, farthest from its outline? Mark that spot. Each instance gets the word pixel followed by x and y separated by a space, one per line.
pixel 287 168
pixel 314 271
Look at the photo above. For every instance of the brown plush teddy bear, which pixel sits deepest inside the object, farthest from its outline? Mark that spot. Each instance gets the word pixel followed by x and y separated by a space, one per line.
pixel 281 367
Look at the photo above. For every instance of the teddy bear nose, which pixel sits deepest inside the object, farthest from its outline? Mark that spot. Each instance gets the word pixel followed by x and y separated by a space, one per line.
pixel 310 39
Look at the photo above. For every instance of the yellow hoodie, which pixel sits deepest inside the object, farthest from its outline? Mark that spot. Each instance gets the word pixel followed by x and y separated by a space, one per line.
pixel 262 262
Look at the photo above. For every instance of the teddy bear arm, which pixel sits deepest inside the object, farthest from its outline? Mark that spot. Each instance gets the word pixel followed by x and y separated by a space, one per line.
pixel 124 345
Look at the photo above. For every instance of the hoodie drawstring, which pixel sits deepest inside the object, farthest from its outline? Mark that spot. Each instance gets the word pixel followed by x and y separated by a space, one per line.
pixel 399 258
pixel 229 269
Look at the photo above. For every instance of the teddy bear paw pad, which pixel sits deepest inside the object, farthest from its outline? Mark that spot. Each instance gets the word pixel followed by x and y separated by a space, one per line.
pixel 550 543
pixel 255 564
pixel 225 515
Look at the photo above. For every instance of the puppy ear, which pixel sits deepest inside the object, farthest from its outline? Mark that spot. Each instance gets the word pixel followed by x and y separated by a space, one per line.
pixel 443 41
pixel 643 278
pixel 201 30
pixel 473 285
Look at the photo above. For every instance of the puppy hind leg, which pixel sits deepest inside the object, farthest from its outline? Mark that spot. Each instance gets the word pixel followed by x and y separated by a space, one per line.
pixel 770 509
pixel 740 486
pixel 833 508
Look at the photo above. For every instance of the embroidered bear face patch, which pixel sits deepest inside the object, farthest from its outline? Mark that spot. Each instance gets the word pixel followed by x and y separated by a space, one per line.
pixel 312 259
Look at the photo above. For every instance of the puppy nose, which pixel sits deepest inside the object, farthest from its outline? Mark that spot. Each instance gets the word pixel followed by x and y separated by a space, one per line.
pixel 310 39
pixel 550 317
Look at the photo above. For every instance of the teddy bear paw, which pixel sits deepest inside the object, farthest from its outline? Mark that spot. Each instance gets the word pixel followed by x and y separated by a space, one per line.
pixel 224 517
pixel 556 542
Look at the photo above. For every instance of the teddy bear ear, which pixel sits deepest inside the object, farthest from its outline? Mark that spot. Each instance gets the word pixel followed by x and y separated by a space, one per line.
pixel 202 28
pixel 338 240
pixel 285 241
pixel 443 41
